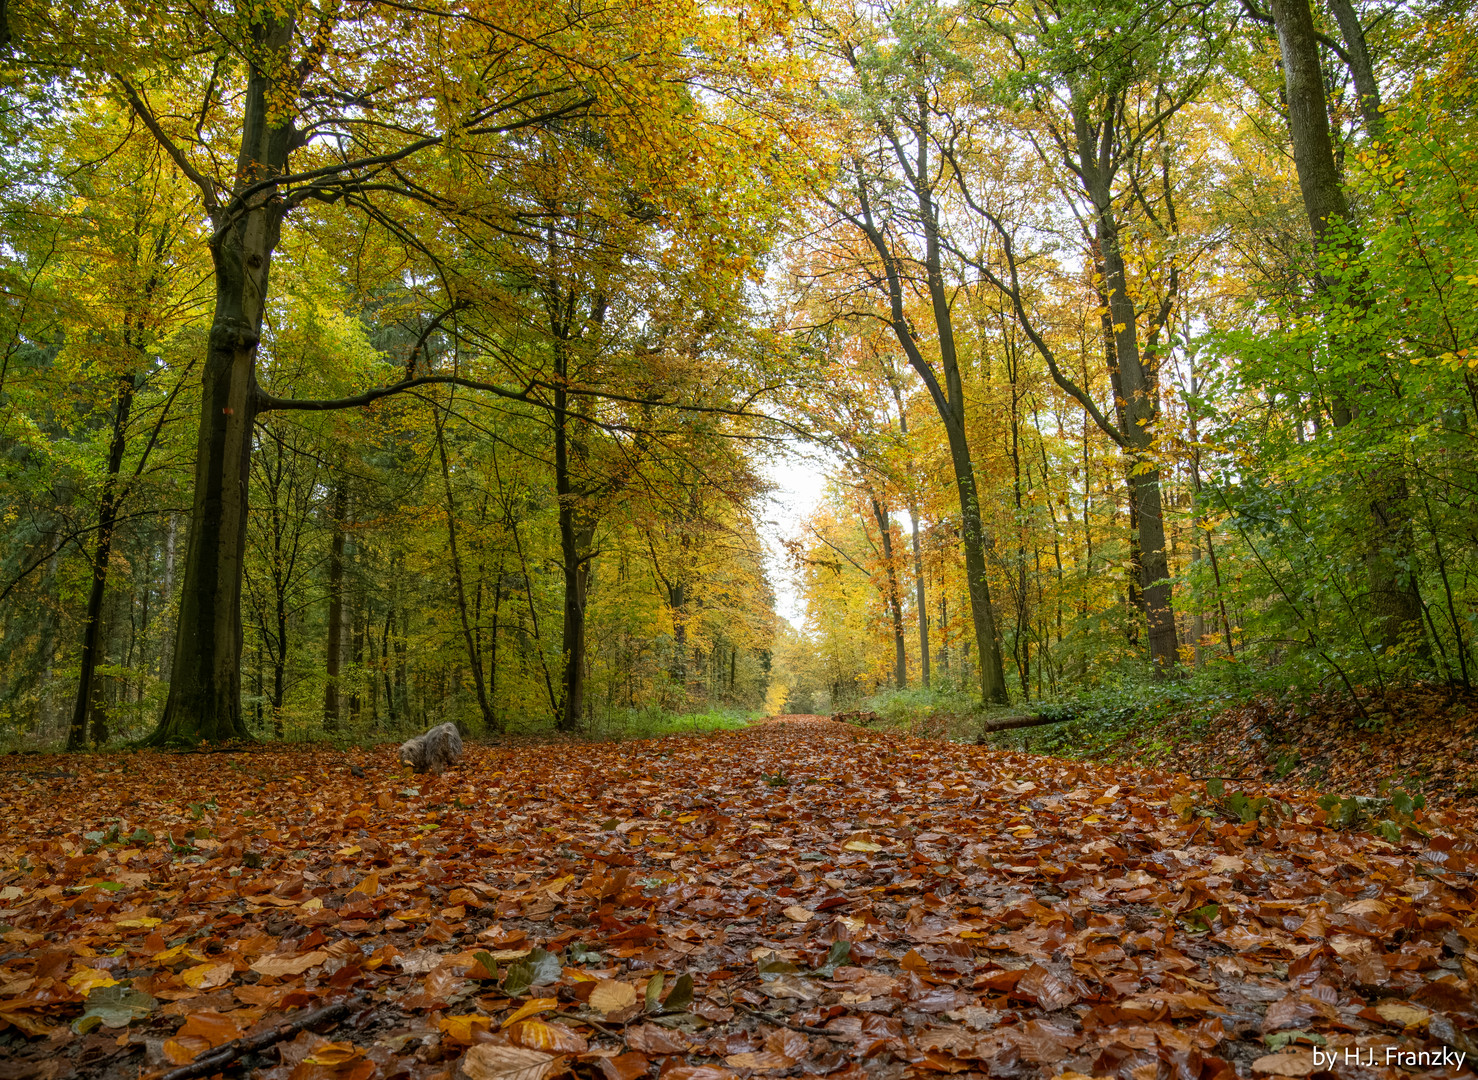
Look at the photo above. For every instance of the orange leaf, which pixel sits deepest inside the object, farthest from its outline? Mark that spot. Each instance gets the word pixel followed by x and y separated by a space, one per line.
pixel 210 1026
pixel 183 1050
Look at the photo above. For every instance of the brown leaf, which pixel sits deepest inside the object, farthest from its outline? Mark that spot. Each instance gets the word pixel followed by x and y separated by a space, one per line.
pixel 630 1066
pixel 651 1039
pixel 1050 992
pixel 1298 1063
pixel 548 1036
pixel 490 1062
pixel 210 1026
pixel 1296 1010
pixel 289 965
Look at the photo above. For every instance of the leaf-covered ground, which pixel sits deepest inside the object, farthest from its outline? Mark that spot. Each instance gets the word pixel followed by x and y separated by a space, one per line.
pixel 1421 737
pixel 801 898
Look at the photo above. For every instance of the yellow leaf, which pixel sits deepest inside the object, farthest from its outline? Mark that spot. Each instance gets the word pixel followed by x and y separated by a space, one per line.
pixel 611 995
pixel 861 845
pixel 550 1038
pixel 1402 1014
pixel 370 886
pixel 89 979
pixel 335 1053
pixel 532 1007
pixel 461 1028
pixel 206 976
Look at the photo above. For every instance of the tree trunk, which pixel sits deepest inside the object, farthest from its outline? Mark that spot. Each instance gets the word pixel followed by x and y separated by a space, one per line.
pixel 474 656
pixel 1141 410
pixel 338 511
pixel 918 578
pixel 93 621
pixel 895 601
pixel 205 679
pixel 1395 604
pixel 576 532
pixel 1361 69
pixel 949 400
pixel 918 559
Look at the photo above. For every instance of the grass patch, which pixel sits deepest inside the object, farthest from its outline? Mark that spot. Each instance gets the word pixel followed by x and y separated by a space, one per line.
pixel 654 723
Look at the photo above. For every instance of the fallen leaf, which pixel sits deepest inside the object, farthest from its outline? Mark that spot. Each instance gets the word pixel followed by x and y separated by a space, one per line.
pixel 289 965
pixel 531 1007
pixel 1298 1063
pixel 611 996
pixel 489 1062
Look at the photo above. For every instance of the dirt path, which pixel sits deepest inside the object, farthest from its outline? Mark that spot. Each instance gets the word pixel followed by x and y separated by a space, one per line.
pixel 798 898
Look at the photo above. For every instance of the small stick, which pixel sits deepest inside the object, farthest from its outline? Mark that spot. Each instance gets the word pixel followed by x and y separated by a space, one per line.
pixel 222 1056
pixel 783 1023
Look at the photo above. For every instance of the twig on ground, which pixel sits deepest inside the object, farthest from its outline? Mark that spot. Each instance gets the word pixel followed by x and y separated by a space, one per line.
pixel 222 1056
pixel 772 1019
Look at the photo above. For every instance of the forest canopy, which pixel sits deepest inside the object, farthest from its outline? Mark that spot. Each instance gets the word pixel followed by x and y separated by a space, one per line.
pixel 365 366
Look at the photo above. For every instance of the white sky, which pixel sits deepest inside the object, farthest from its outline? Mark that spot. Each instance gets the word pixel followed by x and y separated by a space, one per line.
pixel 799 478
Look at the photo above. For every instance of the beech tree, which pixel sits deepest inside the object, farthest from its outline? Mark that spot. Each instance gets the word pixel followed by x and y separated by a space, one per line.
pixel 400 116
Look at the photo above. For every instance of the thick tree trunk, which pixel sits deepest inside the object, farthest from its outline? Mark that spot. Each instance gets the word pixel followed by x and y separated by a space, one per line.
pixel 338 511
pixel 205 676
pixel 1141 410
pixel 92 625
pixel 1394 603
pixel 205 680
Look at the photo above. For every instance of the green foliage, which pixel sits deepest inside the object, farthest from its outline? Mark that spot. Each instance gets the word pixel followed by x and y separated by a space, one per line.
pixel 113 1007
pixel 1388 818
pixel 540 967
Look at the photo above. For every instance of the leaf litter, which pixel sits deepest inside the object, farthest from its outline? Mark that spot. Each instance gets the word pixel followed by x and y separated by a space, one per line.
pixel 897 908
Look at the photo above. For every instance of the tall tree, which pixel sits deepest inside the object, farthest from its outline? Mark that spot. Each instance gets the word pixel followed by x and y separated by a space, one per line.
pixel 888 191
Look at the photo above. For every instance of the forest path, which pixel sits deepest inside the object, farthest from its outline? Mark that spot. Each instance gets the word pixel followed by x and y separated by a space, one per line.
pixel 1004 914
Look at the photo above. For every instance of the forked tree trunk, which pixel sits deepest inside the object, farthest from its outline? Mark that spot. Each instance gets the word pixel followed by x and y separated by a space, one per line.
pixel 205 679
pixel 1140 411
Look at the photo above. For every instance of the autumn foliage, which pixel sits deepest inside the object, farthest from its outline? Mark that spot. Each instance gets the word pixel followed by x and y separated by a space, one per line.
pixel 799 898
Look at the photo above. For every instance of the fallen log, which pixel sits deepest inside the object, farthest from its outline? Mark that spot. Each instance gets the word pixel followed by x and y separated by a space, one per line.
pixel 1052 715
pixel 992 721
